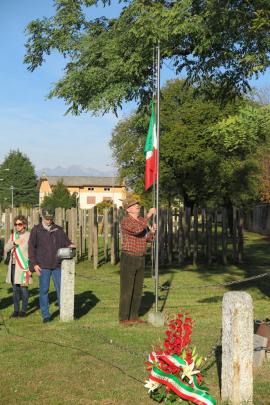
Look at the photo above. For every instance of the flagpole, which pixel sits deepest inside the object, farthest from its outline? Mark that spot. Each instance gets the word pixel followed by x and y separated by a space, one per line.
pixel 157 182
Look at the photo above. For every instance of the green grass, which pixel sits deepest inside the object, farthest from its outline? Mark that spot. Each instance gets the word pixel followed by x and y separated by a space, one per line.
pixel 95 361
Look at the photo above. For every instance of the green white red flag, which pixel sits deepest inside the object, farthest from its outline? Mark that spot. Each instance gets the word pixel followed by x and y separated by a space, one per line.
pixel 150 151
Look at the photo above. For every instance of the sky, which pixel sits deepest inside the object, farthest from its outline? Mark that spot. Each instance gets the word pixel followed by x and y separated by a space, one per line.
pixel 29 122
pixel 36 126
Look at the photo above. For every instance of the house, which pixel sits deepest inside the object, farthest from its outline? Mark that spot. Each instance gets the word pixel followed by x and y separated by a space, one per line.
pixel 90 190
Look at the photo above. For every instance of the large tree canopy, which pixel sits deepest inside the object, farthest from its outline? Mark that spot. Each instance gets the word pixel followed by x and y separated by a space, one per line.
pixel 18 180
pixel 209 155
pixel 217 44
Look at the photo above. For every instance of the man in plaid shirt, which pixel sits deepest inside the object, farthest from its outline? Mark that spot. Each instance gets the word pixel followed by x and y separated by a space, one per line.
pixel 135 235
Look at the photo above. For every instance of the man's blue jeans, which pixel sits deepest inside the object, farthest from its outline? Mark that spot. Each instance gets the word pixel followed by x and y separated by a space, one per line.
pixel 44 285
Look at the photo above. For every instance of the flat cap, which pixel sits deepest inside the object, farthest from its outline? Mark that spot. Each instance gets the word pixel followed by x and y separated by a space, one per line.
pixel 129 201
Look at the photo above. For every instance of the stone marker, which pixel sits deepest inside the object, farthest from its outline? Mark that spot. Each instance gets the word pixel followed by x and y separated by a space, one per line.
pixel 259 346
pixel 156 319
pixel 237 348
pixel 67 290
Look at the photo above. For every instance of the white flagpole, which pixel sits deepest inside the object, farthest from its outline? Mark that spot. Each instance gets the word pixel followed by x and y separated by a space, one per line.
pixel 157 182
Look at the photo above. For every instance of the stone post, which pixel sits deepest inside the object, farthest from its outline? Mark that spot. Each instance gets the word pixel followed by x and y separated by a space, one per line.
pixel 237 348
pixel 67 290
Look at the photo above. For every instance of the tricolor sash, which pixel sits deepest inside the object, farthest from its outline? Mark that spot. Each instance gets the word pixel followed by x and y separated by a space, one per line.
pixel 22 261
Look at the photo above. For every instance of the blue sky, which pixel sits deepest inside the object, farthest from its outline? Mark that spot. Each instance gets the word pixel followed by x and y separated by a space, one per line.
pixel 34 125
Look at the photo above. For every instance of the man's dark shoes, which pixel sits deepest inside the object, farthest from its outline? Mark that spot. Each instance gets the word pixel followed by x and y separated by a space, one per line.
pixel 22 314
pixel 14 315
pixel 46 320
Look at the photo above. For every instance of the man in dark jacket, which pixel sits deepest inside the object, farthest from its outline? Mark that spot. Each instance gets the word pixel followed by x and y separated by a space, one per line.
pixel 44 241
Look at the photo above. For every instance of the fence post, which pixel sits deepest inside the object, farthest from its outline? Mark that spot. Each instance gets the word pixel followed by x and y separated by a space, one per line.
pixel 95 237
pixel 181 254
pixel 90 233
pixel 67 290
pixel 162 236
pixel 224 235
pixel 234 233
pixel 105 234
pixel 216 235
pixel 112 233
pixel 195 235
pixel 240 245
pixel 35 216
pixel 58 216
pixel 170 235
pixel 203 232
pixel 237 348
pixel 209 236
pixel 187 226
pixel 74 225
pixel 80 245
pixel 7 224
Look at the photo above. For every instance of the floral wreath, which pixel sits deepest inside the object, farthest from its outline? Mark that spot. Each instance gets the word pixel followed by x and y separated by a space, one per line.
pixel 174 374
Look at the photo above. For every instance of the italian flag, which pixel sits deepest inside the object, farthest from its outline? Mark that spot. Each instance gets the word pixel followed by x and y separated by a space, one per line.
pixel 150 151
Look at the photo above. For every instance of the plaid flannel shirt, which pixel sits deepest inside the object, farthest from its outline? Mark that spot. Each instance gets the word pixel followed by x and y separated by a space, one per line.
pixel 135 235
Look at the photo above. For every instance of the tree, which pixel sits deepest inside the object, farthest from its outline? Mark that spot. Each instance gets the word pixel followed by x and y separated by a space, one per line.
pixel 218 44
pixel 60 197
pixel 18 181
pixel 209 154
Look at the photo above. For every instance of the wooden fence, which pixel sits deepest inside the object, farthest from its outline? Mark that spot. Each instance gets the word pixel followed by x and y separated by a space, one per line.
pixel 258 219
pixel 185 235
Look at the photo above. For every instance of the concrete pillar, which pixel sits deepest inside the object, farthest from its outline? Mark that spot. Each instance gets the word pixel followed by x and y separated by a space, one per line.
pixel 237 348
pixel 67 290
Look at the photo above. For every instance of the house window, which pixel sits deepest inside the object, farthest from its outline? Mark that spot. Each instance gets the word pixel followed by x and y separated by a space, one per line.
pixel 109 199
pixel 91 200
pixel 107 188
pixel 91 188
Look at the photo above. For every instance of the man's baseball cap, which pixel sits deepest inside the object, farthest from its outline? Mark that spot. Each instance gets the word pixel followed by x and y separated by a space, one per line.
pixel 48 213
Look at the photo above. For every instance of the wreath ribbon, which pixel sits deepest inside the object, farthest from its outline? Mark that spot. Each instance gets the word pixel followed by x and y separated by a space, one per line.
pixel 191 392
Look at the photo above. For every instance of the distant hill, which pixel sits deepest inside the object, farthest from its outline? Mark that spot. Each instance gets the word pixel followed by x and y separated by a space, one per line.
pixel 74 170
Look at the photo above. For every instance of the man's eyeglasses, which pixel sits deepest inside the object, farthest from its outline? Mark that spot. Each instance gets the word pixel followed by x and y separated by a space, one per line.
pixel 18 224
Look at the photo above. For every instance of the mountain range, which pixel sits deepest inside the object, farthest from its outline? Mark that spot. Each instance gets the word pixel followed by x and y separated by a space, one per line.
pixel 74 170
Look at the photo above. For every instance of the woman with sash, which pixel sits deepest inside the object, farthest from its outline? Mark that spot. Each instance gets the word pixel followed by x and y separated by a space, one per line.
pixel 18 273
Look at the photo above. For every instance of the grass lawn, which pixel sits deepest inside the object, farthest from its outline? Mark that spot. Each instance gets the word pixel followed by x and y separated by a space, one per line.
pixel 93 360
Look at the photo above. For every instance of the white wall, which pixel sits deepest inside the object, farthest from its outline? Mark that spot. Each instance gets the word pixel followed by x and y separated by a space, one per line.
pixel 99 198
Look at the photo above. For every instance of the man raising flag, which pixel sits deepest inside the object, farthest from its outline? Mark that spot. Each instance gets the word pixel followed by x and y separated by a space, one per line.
pixel 150 151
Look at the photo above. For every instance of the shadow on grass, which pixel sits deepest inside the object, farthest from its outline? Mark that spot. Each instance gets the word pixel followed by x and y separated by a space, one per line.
pixel 7 301
pixel 218 356
pixel 211 300
pixel 84 302
pixel 166 286
pixel 148 299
